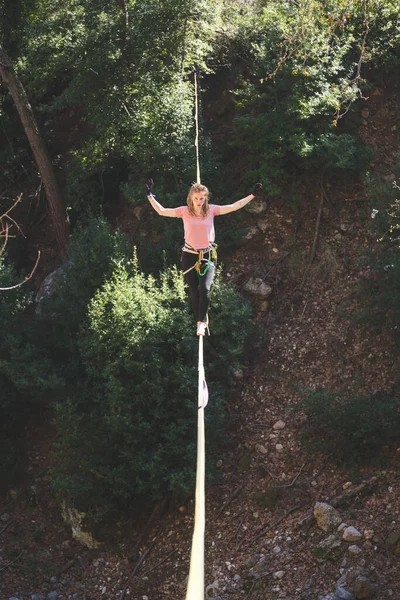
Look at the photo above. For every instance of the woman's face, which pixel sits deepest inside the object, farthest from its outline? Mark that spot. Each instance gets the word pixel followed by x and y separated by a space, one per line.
pixel 198 199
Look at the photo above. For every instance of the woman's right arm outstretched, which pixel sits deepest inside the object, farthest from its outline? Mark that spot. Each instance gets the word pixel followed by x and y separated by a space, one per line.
pixel 163 212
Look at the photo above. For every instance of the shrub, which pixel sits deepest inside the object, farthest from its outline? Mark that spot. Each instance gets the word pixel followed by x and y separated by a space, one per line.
pixel 128 433
pixel 92 254
pixel 351 428
pixel 12 405
pixel 379 284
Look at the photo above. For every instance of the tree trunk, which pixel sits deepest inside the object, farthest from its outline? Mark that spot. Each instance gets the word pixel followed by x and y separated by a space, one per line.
pixel 58 213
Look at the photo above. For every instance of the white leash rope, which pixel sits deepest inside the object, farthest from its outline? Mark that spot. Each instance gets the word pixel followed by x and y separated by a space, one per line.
pixel 195 589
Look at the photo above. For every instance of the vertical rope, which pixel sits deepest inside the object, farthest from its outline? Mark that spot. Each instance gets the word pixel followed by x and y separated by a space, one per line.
pixel 196 117
pixel 195 589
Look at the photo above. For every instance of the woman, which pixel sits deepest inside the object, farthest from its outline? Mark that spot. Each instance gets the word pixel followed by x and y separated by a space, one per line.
pixel 198 252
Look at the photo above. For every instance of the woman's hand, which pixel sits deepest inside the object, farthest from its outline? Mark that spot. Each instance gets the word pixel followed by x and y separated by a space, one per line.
pixel 149 184
pixel 256 189
pixel 163 212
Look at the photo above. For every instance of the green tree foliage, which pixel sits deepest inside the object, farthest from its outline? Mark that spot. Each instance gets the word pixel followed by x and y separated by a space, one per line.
pixel 124 75
pixel 304 70
pixel 128 429
pixel 111 80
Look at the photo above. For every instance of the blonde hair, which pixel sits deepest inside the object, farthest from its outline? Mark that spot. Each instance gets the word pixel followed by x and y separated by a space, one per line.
pixel 198 187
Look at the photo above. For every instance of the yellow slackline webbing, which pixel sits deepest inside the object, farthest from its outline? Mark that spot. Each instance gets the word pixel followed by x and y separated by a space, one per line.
pixel 195 589
pixel 196 118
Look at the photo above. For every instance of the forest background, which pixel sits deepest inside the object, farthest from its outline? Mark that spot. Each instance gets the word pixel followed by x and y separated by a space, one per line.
pixel 107 361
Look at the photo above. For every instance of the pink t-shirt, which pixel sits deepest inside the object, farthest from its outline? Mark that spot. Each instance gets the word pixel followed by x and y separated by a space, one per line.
pixel 199 231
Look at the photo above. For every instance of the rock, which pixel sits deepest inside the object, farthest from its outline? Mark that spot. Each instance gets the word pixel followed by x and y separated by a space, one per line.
pixel 37 597
pixel 76 519
pixel 238 374
pixel 49 287
pixel 279 574
pixel 389 178
pixel 251 232
pixel 327 517
pixel 14 598
pixel 263 224
pixel 351 534
pixel 279 425
pixel 279 447
pixel 258 288
pixel 342 581
pixel 365 113
pixel 52 596
pixel 137 211
pixel 330 596
pixel 264 306
pixel 342 594
pixel 260 568
pixel 354 551
pixel 256 207
pixel 4 517
pixel 261 449
pixel 212 589
pixel 362 588
pixel 276 549
pixel 329 549
pixel 369 534
pixel 346 227
pixel 393 542
pixel 367 546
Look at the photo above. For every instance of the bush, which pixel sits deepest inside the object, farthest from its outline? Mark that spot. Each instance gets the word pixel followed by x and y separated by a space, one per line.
pixel 351 428
pixel 13 405
pixel 93 253
pixel 379 284
pixel 128 433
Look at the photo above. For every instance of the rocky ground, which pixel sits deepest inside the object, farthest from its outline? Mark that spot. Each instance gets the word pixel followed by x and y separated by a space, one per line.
pixel 263 540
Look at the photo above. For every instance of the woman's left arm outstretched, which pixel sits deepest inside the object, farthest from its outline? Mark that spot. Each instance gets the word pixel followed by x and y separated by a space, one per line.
pixel 228 208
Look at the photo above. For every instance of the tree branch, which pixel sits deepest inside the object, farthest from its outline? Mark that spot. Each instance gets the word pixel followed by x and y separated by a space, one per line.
pixel 13 287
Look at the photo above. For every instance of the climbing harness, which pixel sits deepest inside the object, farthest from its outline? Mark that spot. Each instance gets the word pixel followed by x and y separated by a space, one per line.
pixel 198 266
